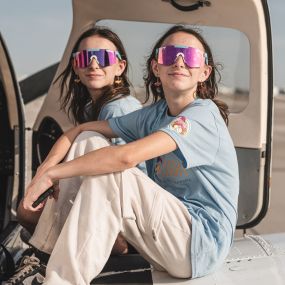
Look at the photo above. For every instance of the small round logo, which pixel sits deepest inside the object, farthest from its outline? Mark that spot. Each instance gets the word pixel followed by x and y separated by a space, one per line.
pixel 181 125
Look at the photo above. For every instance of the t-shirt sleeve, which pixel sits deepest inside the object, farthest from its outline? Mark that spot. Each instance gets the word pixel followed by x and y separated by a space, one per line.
pixel 196 136
pixel 126 126
pixel 118 108
pixel 109 111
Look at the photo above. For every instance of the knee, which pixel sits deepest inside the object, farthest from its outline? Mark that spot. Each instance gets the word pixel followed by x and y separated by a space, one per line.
pixel 26 218
pixel 91 135
pixel 85 142
pixel 91 140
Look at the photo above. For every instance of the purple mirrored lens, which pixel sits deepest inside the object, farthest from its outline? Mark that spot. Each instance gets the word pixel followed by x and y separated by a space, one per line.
pixel 193 57
pixel 103 57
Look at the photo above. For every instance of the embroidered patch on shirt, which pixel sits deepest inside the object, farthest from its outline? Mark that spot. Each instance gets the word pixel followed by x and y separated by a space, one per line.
pixel 181 125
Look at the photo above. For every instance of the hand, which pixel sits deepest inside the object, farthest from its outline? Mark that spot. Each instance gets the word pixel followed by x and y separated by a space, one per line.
pixel 55 188
pixel 34 190
pixel 43 168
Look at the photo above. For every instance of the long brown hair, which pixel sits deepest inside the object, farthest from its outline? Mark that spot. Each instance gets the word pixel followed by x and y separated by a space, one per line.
pixel 206 90
pixel 74 96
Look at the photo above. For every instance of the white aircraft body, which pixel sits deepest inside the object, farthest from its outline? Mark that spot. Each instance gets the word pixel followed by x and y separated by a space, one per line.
pixel 243 27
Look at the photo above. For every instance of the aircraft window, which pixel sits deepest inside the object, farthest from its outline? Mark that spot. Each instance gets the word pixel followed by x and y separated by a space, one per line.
pixel 230 49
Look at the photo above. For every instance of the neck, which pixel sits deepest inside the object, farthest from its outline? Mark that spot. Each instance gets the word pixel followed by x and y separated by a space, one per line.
pixel 178 102
pixel 95 94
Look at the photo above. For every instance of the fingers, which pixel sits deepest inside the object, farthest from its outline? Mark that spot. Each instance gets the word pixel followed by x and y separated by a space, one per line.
pixel 37 193
pixel 27 205
pixel 55 193
pixel 37 203
pixel 39 207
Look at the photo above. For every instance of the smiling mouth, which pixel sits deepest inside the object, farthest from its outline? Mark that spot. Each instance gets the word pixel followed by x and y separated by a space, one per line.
pixel 94 75
pixel 178 74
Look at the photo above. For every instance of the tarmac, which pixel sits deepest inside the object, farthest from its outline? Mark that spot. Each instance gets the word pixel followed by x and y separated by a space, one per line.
pixel 274 219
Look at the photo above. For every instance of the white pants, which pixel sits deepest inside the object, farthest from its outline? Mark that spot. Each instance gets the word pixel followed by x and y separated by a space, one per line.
pixel 79 229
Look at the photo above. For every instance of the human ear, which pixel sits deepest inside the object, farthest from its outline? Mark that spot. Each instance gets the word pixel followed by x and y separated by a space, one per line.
pixel 154 66
pixel 121 67
pixel 207 69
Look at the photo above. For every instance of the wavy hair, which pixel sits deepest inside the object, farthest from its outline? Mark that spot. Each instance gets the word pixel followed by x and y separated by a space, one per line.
pixel 205 90
pixel 74 96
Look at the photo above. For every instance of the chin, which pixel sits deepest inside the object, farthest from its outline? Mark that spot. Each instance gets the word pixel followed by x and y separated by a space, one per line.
pixel 178 88
pixel 95 86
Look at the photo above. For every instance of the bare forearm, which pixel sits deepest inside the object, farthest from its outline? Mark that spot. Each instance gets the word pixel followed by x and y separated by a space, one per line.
pixel 63 144
pixel 114 158
pixel 105 160
pixel 101 127
pixel 101 161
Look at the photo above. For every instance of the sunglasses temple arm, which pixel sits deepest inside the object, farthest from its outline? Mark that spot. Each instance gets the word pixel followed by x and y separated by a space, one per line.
pixel 206 58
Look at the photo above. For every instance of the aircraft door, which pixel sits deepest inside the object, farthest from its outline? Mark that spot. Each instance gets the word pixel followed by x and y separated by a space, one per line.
pixel 12 146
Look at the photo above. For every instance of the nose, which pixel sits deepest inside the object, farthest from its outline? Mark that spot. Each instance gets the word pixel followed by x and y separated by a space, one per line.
pixel 179 62
pixel 93 63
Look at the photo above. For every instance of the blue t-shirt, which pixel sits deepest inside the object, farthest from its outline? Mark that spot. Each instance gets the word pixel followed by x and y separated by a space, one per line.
pixel 202 172
pixel 117 108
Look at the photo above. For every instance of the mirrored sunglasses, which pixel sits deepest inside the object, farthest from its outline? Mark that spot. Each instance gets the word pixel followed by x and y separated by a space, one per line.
pixel 193 57
pixel 104 57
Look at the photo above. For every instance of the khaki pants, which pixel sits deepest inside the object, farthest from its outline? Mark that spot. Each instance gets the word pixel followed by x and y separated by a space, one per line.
pixel 79 229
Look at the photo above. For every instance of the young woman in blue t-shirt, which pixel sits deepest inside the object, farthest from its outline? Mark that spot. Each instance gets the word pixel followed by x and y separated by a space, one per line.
pixel 182 217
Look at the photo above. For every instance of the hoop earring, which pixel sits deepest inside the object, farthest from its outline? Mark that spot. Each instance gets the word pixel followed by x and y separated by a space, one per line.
pixel 118 80
pixel 77 79
pixel 201 89
pixel 202 84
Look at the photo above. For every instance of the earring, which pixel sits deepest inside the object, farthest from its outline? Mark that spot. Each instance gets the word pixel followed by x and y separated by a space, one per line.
pixel 201 90
pixel 157 85
pixel 202 84
pixel 77 80
pixel 118 80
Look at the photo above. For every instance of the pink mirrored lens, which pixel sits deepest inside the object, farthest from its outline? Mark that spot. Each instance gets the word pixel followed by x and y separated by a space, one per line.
pixel 193 57
pixel 103 57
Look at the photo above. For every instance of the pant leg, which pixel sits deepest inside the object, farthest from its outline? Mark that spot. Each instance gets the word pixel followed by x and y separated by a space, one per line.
pixel 156 223
pixel 55 212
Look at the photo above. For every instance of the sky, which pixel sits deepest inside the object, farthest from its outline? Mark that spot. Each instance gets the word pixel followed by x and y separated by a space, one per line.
pixel 36 33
